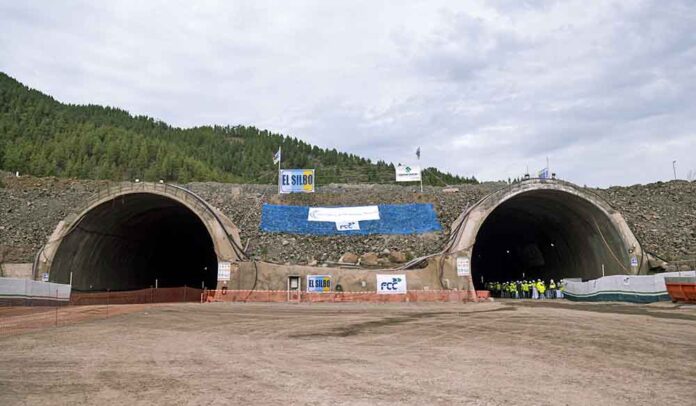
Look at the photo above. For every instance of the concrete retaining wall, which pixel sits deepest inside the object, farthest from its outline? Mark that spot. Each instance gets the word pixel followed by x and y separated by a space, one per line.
pixel 440 273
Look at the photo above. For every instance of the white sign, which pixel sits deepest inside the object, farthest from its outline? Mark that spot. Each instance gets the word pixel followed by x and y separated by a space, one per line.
pixel 408 173
pixel 463 266
pixel 391 284
pixel 343 214
pixel 224 271
pixel 634 261
pixel 44 277
pixel 346 218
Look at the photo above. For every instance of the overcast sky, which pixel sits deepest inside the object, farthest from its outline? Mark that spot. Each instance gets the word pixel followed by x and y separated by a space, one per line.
pixel 606 90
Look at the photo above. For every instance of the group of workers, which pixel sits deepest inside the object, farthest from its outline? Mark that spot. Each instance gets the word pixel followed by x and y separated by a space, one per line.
pixel 527 289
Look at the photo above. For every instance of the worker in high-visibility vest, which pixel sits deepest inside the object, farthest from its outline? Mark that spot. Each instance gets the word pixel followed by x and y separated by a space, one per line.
pixel 551 294
pixel 525 290
pixel 561 288
pixel 541 287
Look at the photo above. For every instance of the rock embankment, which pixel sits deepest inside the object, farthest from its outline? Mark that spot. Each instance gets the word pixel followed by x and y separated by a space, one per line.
pixel 662 215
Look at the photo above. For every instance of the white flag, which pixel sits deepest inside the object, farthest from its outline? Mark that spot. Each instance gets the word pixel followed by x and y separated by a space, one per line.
pixel 276 156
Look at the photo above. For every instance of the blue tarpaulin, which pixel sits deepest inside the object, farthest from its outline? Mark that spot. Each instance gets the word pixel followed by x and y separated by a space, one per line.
pixel 393 219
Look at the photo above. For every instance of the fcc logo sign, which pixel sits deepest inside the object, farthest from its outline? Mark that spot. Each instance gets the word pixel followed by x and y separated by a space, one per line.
pixel 391 284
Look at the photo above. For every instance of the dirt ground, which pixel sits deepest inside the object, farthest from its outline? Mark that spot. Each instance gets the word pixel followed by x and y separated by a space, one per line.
pixel 507 352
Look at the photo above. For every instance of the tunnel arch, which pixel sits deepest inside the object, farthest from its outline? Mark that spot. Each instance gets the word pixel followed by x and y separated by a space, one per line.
pixel 544 229
pixel 128 236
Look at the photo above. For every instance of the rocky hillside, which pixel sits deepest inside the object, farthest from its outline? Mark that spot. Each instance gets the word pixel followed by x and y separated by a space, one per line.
pixel 662 215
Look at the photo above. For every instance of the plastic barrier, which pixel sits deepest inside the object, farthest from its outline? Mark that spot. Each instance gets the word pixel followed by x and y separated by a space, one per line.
pixel 334 297
pixel 394 219
pixel 623 288
pixel 26 292
pixel 150 295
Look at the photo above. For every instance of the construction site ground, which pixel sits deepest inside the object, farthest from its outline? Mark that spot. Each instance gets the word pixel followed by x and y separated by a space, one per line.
pixel 503 352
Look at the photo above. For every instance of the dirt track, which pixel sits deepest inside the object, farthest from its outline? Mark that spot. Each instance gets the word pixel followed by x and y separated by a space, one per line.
pixel 491 353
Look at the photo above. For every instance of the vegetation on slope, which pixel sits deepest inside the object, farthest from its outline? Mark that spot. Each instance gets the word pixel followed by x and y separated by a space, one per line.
pixel 43 137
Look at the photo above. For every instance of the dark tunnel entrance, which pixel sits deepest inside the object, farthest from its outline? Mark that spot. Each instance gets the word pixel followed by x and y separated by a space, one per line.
pixel 547 234
pixel 129 242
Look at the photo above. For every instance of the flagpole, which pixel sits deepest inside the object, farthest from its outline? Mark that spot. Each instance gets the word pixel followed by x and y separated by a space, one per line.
pixel 421 169
pixel 280 156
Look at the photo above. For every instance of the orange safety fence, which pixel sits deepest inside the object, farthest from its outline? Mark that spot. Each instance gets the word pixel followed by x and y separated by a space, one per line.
pixel 150 295
pixel 335 297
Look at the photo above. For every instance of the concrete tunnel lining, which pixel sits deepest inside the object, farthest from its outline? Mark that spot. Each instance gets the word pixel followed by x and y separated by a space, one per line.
pixel 132 234
pixel 130 241
pixel 544 229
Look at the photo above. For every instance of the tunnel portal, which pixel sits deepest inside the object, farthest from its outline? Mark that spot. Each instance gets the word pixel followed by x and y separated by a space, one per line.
pixel 130 241
pixel 547 234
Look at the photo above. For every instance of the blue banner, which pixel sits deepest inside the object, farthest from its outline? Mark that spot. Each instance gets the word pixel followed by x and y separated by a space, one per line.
pixel 393 219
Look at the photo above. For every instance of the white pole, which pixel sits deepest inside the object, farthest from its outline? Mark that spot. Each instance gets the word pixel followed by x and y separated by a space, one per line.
pixel 70 278
pixel 421 170
pixel 279 159
pixel 602 270
pixel 155 283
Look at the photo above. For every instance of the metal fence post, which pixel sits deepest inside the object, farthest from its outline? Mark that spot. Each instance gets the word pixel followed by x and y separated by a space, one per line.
pixel 56 323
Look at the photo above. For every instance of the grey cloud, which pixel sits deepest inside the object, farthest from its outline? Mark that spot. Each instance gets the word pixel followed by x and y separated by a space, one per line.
pixel 485 88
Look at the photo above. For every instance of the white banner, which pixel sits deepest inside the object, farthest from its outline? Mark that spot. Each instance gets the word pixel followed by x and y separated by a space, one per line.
pixel 343 214
pixel 296 181
pixel 408 173
pixel 391 284
pixel 319 283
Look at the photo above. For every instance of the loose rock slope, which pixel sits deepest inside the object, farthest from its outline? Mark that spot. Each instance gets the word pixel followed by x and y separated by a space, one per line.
pixel 662 215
